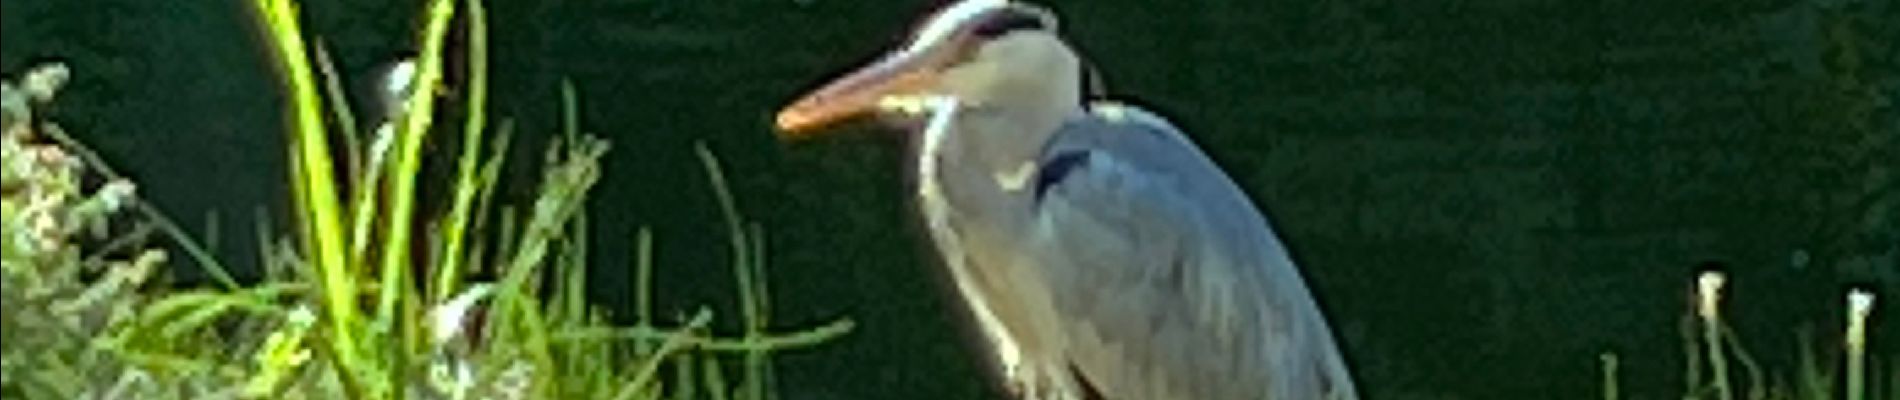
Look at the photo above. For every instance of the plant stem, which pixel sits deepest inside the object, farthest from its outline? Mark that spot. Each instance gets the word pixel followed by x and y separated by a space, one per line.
pixel 1859 304
pixel 398 225
pixel 449 273
pixel 316 183
pixel 1611 390
pixel 1710 290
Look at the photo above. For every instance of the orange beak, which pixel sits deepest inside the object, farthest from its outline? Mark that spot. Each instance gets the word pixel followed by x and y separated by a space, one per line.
pixel 862 92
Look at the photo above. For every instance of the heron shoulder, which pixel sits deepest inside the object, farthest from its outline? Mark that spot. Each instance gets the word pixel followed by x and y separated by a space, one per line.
pixel 1124 113
pixel 1134 137
pixel 1111 125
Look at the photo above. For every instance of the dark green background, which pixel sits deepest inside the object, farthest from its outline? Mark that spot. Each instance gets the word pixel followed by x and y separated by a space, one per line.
pixel 1485 194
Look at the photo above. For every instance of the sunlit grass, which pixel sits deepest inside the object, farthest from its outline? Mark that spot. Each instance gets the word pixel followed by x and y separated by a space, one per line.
pixel 337 314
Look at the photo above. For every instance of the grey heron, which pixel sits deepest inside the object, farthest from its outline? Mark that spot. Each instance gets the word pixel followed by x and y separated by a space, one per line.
pixel 1101 252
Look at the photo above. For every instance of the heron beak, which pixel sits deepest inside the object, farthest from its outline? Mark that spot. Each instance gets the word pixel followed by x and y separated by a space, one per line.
pixel 885 85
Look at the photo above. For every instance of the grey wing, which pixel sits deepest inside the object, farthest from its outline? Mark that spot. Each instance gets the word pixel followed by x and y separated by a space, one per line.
pixel 1170 282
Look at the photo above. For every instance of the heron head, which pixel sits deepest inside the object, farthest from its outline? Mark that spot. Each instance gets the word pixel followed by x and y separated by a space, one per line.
pixel 984 54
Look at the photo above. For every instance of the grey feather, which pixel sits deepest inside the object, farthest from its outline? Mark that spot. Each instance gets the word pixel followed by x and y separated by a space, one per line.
pixel 1171 283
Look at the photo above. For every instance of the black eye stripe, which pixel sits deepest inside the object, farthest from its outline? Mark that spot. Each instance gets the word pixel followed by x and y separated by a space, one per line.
pixel 1003 22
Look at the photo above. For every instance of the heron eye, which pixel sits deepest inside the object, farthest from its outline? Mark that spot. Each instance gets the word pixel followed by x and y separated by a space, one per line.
pixel 1006 22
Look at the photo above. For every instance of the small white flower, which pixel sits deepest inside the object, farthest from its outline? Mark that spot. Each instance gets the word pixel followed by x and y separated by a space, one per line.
pixel 1860 303
pixel 42 82
pixel 1709 290
pixel 445 321
pixel 117 194
pixel 399 82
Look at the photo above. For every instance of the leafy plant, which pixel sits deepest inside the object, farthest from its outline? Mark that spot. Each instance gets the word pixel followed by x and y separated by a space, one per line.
pixel 347 308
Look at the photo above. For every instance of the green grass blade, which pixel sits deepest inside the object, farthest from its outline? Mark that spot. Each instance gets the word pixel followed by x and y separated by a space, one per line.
pixel 449 274
pixel 340 108
pixel 164 223
pixel 315 182
pixel 408 163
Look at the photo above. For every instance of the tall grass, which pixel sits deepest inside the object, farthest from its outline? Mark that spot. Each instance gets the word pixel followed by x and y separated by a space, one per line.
pixel 351 307
pixel 1710 344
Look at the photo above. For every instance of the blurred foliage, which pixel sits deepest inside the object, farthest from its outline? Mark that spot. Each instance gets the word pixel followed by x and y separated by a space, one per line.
pixel 1718 366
